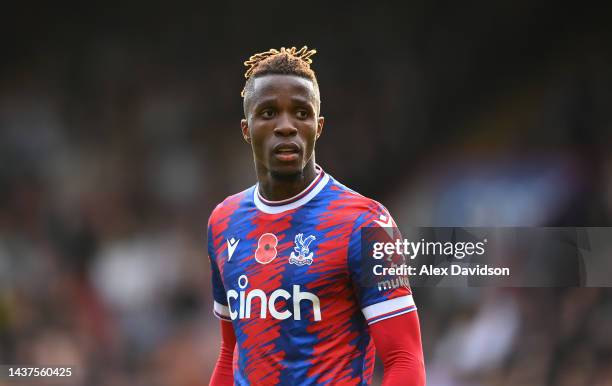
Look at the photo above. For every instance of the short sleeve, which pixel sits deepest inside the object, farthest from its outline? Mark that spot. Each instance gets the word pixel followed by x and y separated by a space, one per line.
pixel 377 302
pixel 220 307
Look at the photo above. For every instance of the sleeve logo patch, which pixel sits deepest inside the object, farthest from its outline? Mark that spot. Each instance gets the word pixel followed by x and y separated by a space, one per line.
pixel 384 221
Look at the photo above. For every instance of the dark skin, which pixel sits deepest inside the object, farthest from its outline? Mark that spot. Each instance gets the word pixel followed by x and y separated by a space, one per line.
pixel 282 125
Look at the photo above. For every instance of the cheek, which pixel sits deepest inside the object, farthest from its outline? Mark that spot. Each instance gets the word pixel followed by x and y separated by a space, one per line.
pixel 310 135
pixel 259 137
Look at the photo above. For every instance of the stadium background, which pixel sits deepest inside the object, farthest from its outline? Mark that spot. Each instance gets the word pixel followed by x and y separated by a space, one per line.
pixel 119 132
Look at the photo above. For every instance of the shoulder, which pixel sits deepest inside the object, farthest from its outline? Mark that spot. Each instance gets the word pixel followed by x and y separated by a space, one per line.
pixel 358 205
pixel 229 205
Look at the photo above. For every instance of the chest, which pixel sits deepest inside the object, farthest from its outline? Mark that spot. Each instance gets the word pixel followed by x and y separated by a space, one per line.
pixel 274 253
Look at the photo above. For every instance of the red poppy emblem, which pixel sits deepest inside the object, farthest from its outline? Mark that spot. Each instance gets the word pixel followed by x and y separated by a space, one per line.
pixel 266 248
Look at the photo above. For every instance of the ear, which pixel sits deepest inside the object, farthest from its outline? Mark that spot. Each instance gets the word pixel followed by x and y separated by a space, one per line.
pixel 320 123
pixel 246 134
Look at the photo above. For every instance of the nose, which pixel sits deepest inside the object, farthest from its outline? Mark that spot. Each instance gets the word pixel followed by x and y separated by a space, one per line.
pixel 284 126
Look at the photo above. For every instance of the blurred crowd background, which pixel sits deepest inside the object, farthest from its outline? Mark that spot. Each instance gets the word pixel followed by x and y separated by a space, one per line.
pixel 119 133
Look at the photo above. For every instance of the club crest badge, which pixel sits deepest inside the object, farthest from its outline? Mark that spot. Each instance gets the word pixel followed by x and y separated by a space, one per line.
pixel 301 254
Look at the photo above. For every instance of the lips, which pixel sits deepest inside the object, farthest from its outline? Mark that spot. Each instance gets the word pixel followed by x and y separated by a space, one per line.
pixel 285 148
pixel 288 151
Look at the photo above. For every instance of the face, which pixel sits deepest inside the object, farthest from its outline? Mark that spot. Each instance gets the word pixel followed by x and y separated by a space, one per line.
pixel 282 124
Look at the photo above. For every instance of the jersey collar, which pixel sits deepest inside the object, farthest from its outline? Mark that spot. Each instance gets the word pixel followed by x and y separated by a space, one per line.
pixel 274 207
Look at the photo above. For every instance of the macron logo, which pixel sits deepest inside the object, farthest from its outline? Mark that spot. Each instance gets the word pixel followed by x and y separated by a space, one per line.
pixel 231 247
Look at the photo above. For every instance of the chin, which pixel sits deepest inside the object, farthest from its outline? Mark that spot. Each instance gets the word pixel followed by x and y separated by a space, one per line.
pixel 286 171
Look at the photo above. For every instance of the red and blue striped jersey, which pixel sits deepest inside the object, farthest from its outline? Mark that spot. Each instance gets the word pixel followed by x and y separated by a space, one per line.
pixel 287 274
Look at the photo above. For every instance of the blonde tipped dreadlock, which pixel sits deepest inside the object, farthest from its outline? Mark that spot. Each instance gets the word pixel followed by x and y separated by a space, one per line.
pixel 304 54
pixel 286 61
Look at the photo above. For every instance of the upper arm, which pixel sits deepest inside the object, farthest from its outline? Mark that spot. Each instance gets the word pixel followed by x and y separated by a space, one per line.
pixel 380 297
pixel 220 307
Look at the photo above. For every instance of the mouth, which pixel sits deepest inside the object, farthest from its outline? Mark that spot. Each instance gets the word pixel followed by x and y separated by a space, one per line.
pixel 286 151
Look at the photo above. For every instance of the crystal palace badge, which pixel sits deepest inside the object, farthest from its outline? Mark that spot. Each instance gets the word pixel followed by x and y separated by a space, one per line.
pixel 301 254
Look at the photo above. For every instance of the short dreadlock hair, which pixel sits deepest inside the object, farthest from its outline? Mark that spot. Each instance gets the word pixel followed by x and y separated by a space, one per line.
pixel 286 61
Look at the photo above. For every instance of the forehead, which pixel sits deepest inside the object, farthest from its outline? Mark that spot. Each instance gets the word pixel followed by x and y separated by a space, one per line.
pixel 274 85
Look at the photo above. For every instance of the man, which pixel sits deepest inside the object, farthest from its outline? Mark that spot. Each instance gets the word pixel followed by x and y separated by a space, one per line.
pixel 285 254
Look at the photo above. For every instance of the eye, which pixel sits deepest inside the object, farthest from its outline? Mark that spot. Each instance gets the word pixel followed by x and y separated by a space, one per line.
pixel 302 114
pixel 267 113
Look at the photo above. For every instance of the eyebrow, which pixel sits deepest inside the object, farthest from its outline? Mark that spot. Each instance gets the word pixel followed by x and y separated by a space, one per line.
pixel 294 99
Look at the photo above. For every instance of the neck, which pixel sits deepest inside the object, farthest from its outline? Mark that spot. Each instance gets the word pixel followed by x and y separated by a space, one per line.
pixel 276 187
